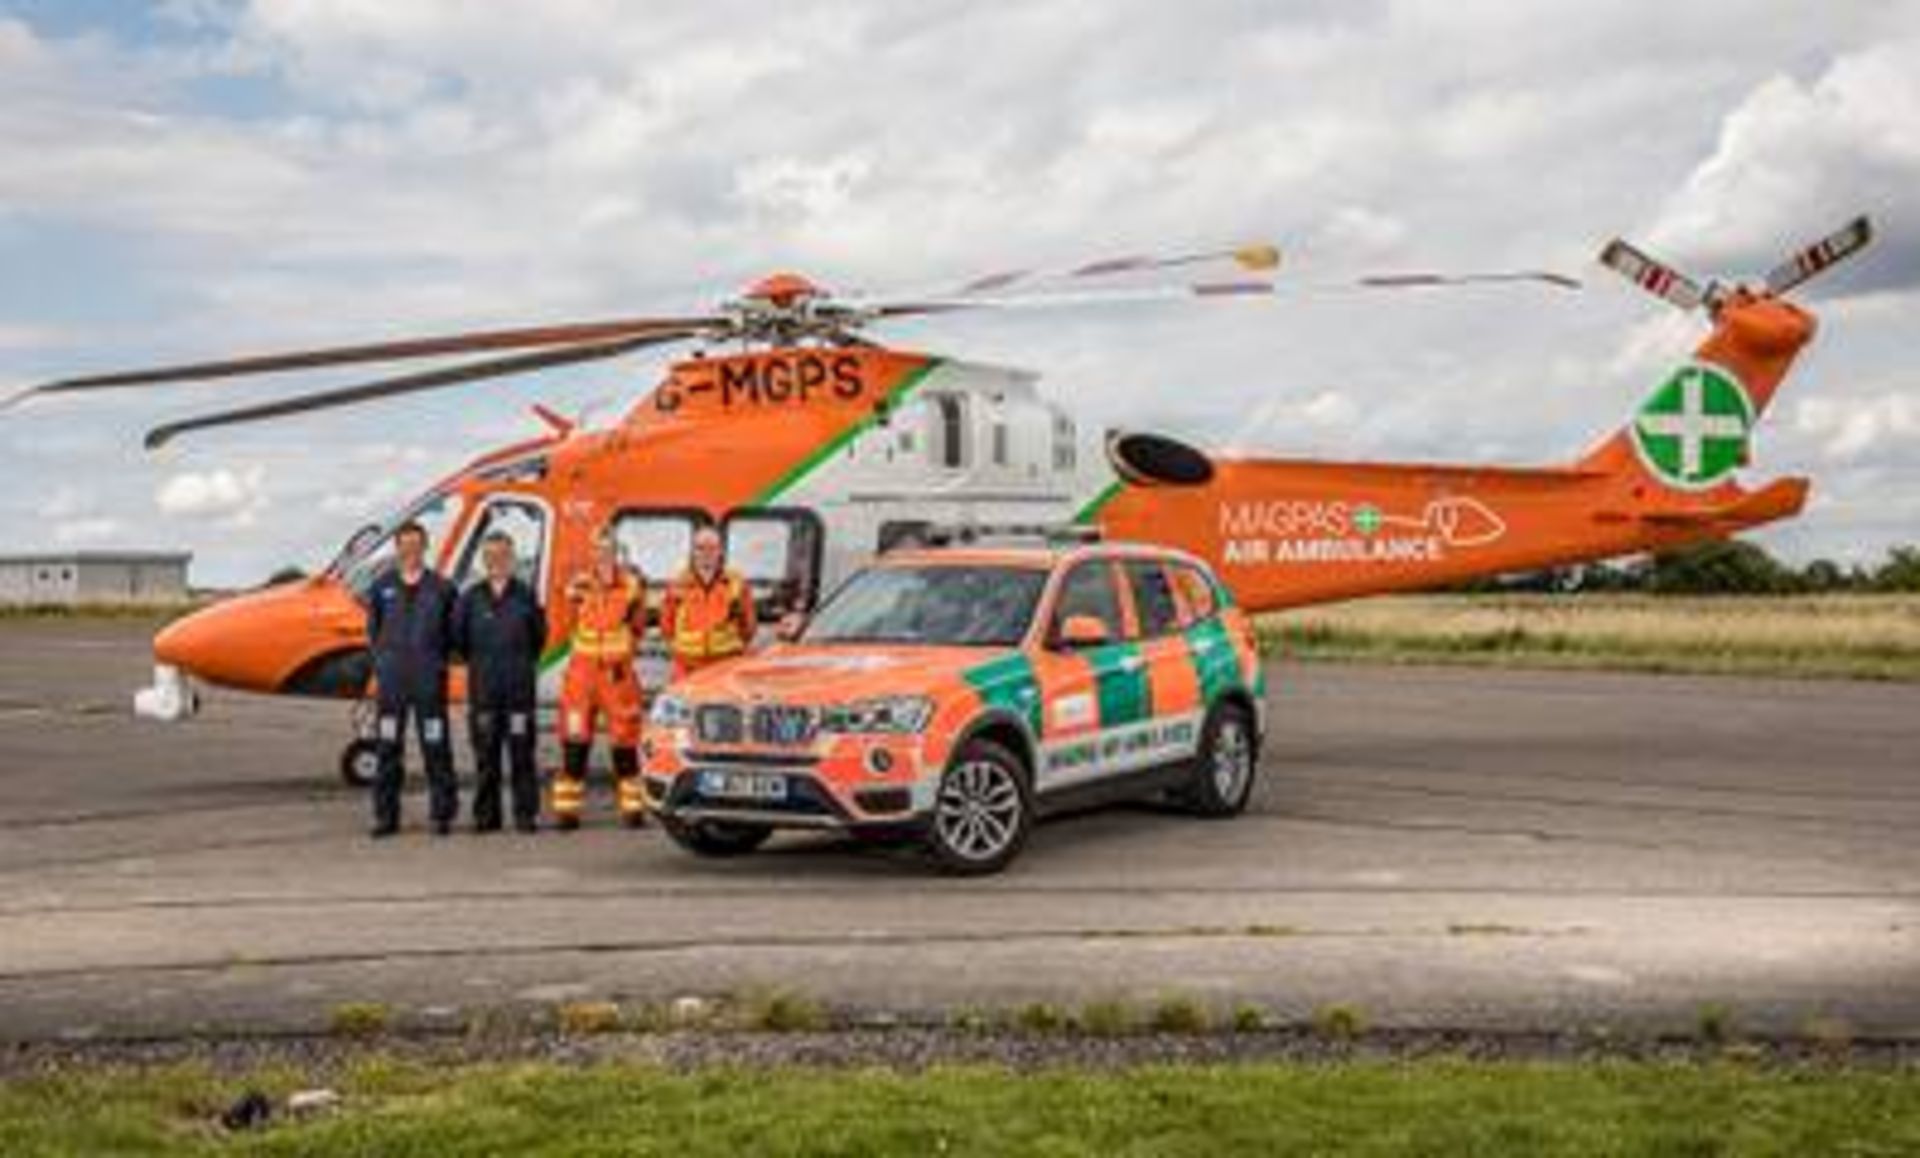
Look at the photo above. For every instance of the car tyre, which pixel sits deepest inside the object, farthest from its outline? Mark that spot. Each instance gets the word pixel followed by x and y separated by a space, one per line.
pixel 360 763
pixel 982 811
pixel 716 838
pixel 1225 767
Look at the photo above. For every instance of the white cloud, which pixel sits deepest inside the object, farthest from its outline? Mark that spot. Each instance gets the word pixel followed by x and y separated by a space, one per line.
pixel 65 502
pixel 23 337
pixel 94 529
pixel 1302 421
pixel 1796 158
pixel 1359 232
pixel 361 503
pixel 234 497
pixel 807 188
pixel 1848 430
pixel 396 168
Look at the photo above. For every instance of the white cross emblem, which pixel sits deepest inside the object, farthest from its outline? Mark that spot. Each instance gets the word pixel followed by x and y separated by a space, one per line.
pixel 1693 425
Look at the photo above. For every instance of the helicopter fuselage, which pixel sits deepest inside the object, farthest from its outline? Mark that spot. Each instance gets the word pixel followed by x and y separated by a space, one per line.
pixel 811 459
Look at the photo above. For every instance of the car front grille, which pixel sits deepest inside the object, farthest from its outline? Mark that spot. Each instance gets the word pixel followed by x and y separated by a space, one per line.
pixel 769 725
pixel 782 726
pixel 719 724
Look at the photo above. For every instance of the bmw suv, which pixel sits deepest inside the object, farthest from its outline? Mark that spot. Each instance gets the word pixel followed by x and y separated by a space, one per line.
pixel 950 696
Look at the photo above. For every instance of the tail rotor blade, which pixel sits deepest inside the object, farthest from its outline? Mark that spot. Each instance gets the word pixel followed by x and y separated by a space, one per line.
pixel 412 384
pixel 1821 256
pixel 1656 277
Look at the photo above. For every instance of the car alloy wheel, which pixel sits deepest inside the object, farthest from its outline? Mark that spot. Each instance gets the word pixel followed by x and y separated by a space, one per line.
pixel 1224 769
pixel 1232 759
pixel 979 810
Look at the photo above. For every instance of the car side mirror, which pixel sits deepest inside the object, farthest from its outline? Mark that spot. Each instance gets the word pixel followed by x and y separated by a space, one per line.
pixel 1078 631
pixel 790 626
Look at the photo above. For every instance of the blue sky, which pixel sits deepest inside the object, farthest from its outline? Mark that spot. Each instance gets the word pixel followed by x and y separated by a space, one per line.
pixel 213 176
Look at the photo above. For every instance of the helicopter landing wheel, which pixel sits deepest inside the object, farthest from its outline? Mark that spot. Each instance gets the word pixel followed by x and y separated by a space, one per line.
pixel 360 763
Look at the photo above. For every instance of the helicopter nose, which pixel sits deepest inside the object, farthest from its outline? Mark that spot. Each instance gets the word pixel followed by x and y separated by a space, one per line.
pixel 185 643
pixel 213 644
pixel 253 642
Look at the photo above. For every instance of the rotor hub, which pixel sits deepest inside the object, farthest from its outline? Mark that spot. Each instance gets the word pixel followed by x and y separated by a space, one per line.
pixel 784 290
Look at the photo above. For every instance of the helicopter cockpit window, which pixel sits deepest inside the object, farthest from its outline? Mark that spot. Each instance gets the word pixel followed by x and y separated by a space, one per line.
pixel 778 553
pixel 522 520
pixel 370 551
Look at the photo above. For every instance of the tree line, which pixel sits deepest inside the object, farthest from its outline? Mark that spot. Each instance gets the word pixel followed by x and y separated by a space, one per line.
pixel 1723 567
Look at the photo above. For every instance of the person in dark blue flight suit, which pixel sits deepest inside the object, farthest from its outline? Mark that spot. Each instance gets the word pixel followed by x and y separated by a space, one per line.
pixel 409 625
pixel 499 628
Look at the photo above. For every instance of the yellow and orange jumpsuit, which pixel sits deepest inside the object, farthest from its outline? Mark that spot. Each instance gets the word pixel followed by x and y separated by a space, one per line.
pixel 706 621
pixel 608 619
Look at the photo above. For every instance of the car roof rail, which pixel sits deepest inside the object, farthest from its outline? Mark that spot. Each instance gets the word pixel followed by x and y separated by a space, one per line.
pixel 985 534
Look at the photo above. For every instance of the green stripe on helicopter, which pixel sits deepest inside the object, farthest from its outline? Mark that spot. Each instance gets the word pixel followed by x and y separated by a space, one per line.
pixel 826 450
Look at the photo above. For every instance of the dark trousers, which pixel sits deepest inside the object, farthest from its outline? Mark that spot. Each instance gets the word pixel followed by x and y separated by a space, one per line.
pixel 494 727
pixel 429 716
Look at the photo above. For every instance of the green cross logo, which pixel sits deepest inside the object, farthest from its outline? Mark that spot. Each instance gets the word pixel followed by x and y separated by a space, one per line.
pixel 1366 518
pixel 1693 431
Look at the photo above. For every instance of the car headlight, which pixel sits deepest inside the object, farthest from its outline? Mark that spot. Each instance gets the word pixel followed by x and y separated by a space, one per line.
pixel 895 714
pixel 670 712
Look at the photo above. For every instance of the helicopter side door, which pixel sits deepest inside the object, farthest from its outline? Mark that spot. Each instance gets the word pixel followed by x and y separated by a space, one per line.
pixel 524 520
pixel 778 550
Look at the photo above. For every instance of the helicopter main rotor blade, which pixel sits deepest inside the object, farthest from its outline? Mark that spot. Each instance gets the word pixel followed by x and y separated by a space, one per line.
pixel 1255 257
pixel 414 383
pixel 1442 280
pixel 1071 298
pixel 571 334
pixel 1216 289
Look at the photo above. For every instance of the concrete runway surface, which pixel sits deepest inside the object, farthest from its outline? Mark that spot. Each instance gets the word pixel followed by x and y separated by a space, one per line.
pixel 1438 847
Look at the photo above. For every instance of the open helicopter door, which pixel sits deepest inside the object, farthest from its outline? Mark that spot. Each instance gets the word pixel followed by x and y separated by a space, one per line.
pixel 778 550
pixel 656 541
pixel 526 521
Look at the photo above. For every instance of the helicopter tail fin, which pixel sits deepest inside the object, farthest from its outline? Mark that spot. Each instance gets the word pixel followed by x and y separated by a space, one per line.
pixel 1696 428
pixel 1679 457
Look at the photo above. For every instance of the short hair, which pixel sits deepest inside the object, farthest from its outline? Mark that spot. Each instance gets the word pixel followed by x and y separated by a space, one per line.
pixel 411 527
pixel 500 538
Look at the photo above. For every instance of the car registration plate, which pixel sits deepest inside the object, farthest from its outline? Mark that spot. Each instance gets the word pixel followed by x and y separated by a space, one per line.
pixel 728 785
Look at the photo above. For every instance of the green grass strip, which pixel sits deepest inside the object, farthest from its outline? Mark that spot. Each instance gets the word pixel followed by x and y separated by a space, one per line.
pixel 1437 1107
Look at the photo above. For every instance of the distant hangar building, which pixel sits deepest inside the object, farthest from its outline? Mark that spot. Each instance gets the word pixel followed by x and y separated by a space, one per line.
pixel 94 577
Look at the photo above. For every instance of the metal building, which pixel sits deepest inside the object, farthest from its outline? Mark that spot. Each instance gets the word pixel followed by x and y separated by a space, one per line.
pixel 94 577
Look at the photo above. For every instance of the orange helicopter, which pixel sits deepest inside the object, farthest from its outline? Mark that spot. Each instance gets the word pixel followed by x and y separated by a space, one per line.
pixel 812 447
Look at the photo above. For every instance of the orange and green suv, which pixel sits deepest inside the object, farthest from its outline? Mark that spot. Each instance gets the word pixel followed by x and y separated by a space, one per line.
pixel 952 695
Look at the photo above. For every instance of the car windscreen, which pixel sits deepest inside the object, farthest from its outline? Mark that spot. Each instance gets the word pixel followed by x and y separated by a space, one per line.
pixel 954 605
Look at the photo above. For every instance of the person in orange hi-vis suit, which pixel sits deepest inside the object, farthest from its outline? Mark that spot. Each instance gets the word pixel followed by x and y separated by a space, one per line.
pixel 609 616
pixel 708 612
